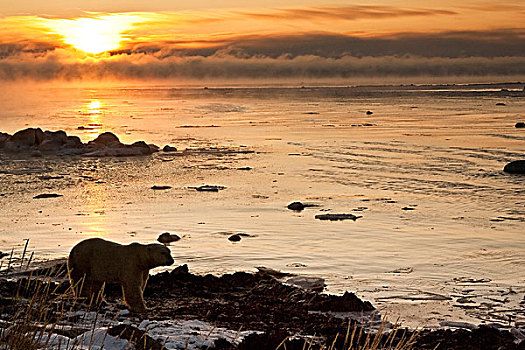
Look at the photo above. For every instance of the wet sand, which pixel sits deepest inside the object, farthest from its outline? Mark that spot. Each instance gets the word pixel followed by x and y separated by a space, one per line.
pixel 440 235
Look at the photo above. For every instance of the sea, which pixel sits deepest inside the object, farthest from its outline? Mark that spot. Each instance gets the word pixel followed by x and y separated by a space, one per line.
pixel 440 232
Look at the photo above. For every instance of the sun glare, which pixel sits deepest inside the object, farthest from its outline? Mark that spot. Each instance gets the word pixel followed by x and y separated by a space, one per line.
pixel 93 35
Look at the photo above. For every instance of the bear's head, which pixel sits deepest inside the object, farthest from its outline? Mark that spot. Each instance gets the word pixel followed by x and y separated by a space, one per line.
pixel 159 255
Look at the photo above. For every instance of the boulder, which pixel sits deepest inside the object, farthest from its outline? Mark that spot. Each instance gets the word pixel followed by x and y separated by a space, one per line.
pixel 59 136
pixel 49 146
pixel 169 148
pixel 73 142
pixel 141 147
pixel 24 140
pixel 106 139
pixel 518 125
pixel 297 206
pixel 3 138
pixel 515 167
pixel 167 238
pixel 234 238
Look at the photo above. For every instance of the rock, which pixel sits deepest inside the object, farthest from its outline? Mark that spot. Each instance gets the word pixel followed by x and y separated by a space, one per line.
pixel 24 140
pixel 47 195
pixel 210 188
pixel 263 270
pixel 515 167
pixel 2 254
pixel 520 125
pixel 315 284
pixel 155 187
pixel 37 142
pixel 336 217
pixel 408 208
pixel 141 147
pixel 105 139
pixel 369 112
pixel 167 238
pixel 169 148
pixel 180 270
pixel 73 142
pixel 234 238
pixel 500 103
pixel 345 303
pixel 298 206
pixel 3 137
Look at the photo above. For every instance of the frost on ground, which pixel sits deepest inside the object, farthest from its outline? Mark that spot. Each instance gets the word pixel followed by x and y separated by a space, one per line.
pixel 171 334
pixel 193 334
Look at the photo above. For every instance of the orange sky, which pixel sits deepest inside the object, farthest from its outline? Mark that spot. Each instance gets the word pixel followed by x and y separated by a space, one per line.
pixel 194 27
pixel 73 30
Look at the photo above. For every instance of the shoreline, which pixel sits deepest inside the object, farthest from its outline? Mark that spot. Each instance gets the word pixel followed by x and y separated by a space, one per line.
pixel 264 311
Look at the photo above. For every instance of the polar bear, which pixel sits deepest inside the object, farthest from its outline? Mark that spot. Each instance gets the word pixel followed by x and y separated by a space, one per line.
pixel 95 261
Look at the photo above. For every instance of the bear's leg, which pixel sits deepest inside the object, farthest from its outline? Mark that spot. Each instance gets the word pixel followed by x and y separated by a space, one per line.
pixel 145 276
pixel 132 294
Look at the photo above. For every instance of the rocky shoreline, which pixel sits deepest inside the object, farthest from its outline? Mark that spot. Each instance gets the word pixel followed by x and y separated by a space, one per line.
pixel 35 142
pixel 266 313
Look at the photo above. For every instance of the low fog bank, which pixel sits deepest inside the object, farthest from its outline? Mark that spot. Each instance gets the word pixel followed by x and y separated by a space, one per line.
pixel 231 67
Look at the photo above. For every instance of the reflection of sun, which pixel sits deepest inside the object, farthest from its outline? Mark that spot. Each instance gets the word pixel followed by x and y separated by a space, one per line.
pixel 93 110
pixel 94 105
pixel 95 34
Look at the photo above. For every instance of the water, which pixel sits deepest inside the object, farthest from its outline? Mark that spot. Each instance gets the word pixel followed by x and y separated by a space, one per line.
pixel 424 171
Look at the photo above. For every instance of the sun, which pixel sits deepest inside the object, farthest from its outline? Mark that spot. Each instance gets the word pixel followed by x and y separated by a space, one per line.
pixel 95 34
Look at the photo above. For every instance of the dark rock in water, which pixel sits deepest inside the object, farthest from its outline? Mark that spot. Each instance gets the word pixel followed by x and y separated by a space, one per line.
pixel 234 238
pixel 139 338
pixel 369 112
pixel 169 148
pixel 515 167
pixel 155 187
pixel 105 139
pixel 336 217
pixel 210 188
pixel 520 125
pixel 47 195
pixel 167 238
pixel 500 104
pixel 296 206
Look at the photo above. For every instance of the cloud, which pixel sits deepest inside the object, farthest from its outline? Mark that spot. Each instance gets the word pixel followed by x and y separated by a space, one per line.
pixel 500 43
pixel 346 13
